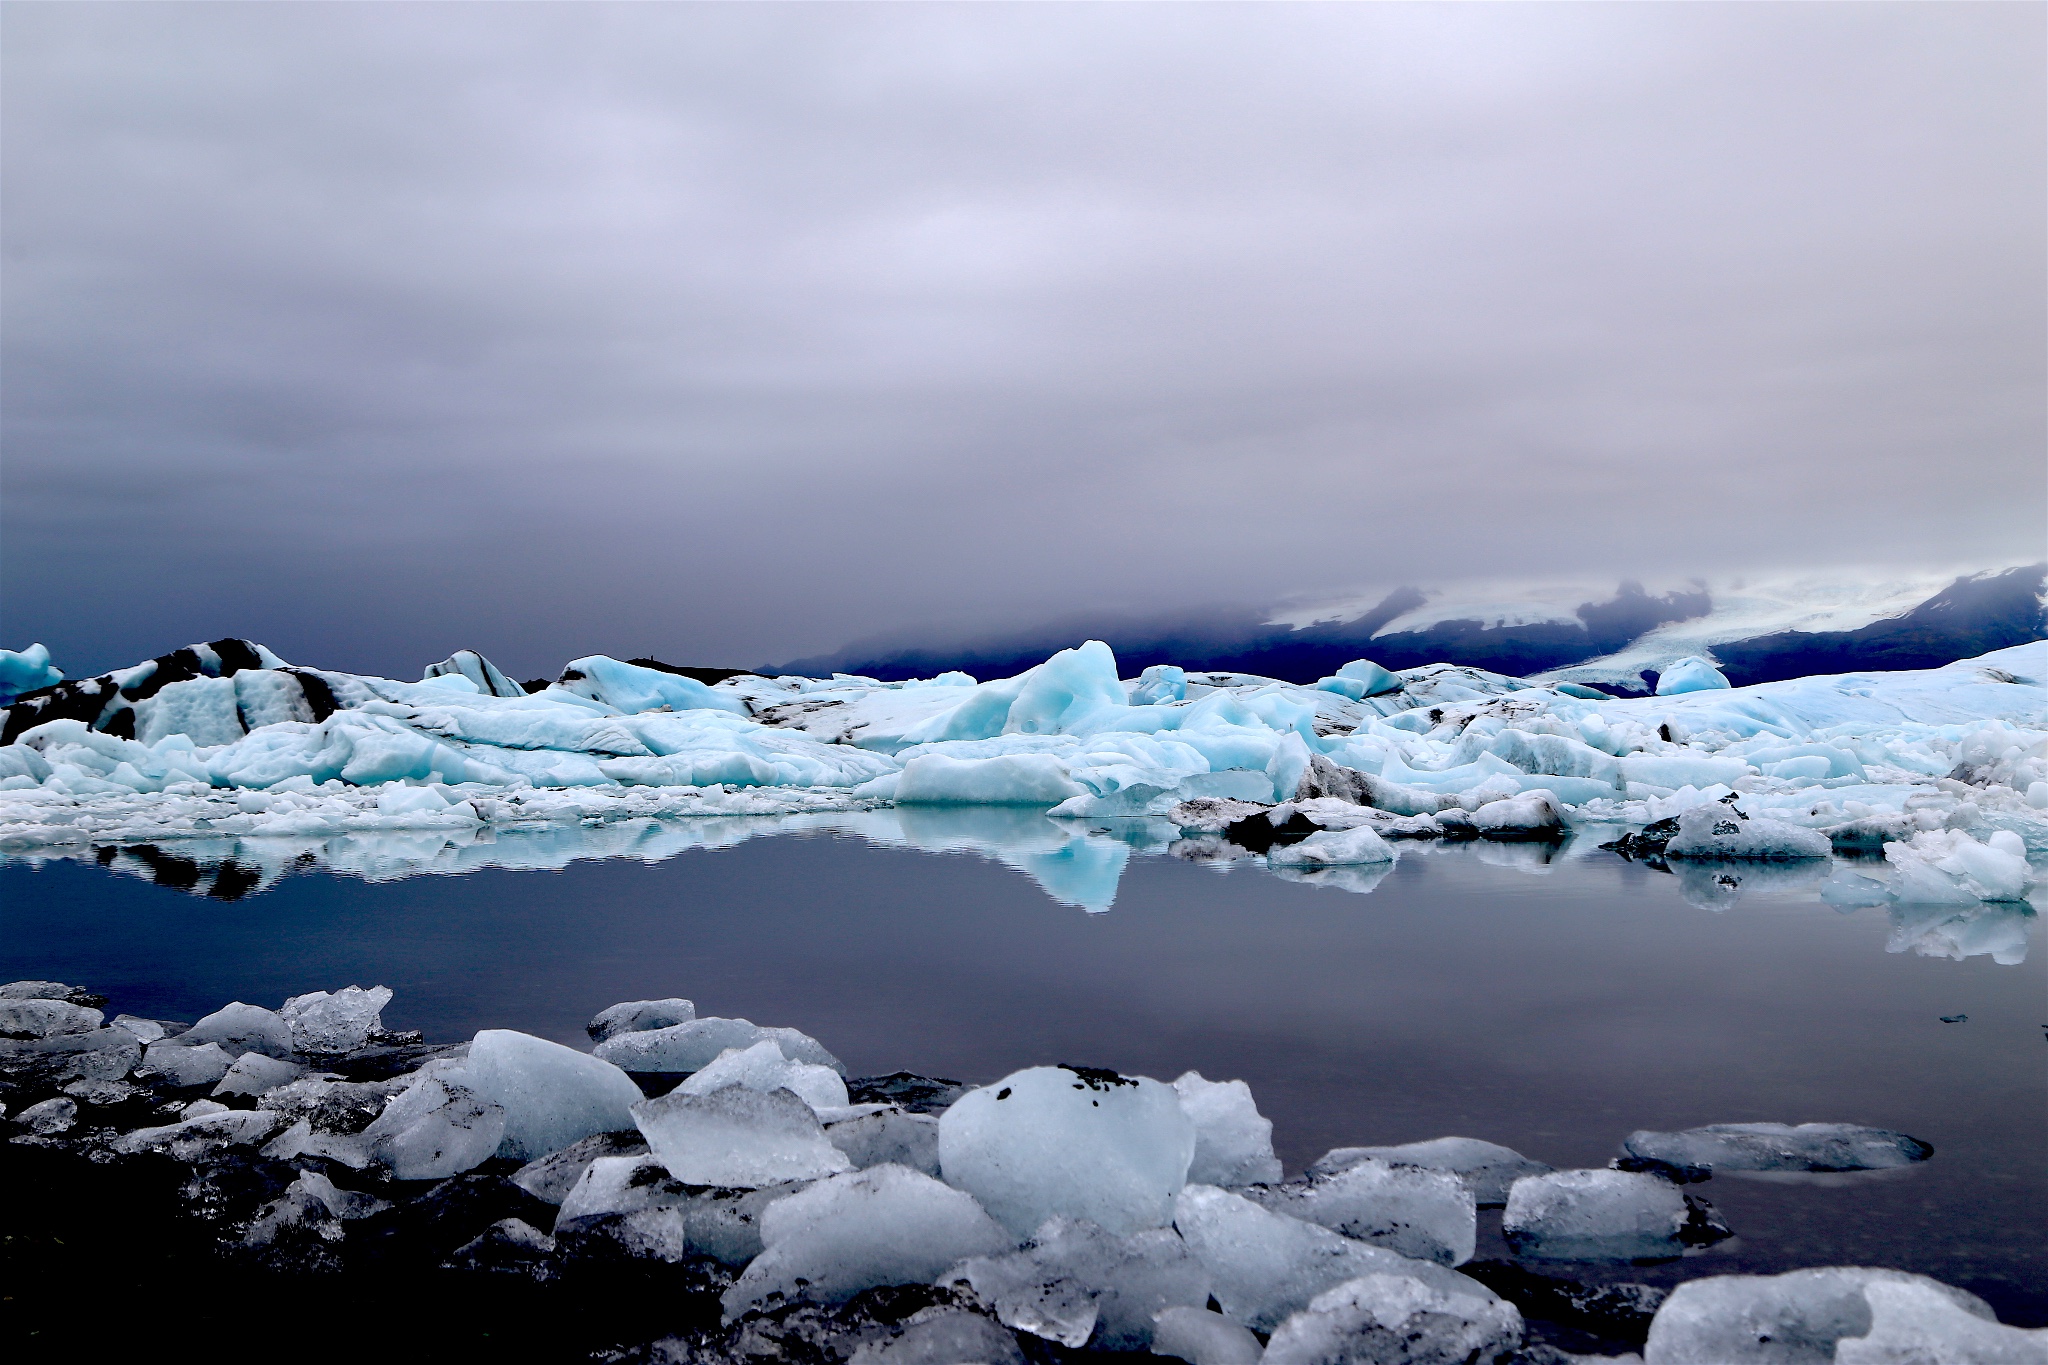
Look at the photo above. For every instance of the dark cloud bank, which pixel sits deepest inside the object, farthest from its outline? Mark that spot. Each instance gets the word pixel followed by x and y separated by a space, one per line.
pixel 732 333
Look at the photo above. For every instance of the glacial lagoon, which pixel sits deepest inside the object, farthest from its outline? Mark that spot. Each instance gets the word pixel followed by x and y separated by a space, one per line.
pixel 1549 998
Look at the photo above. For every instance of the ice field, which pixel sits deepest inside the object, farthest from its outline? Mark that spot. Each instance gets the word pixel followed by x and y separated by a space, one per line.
pixel 1944 770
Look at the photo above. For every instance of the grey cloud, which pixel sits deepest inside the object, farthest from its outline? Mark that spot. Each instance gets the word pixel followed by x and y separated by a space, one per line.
pixel 729 333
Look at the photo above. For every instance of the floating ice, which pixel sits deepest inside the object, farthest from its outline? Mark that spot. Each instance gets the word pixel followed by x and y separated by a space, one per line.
pixel 640 1016
pixel 1698 1152
pixel 552 1095
pixel 1721 831
pixel 340 1022
pixel 26 670
pixel 763 1067
pixel 1076 1284
pixel 1233 1141
pixel 882 1226
pixel 738 1137
pixel 1487 1168
pixel 1203 1338
pixel 436 1128
pixel 1266 1265
pixel 1948 867
pixel 1078 1142
pixel 694 1045
pixel 1334 848
pixel 1603 1215
pixel 1532 815
pixel 1392 1317
pixel 1788 1319
pixel 1913 1323
pixel 1428 1215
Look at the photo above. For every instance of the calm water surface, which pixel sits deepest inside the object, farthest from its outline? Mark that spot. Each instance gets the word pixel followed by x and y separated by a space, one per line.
pixel 1552 1006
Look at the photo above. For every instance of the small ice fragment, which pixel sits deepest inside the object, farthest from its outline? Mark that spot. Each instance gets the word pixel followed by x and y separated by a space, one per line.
pixel 255 1074
pixel 1605 1215
pixel 1698 1152
pixel 1076 1284
pixel 639 1016
pixel 145 1030
pixel 49 1118
pixel 738 1137
pixel 1487 1168
pixel 1392 1317
pixel 763 1067
pixel 631 1205
pixel 436 1128
pixel 183 1065
pixel 1203 1338
pixel 1428 1215
pixel 694 1045
pixel 196 1138
pixel 1334 848
pixel 1793 1318
pixel 240 1028
pixel 342 1022
pixel 45 1018
pixel 947 1336
pixel 552 1095
pixel 551 1177
pixel 890 1137
pixel 1073 1141
pixel 1233 1141
pixel 852 1232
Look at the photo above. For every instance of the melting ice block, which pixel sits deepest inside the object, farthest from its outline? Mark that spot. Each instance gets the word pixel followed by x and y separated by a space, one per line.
pixel 1698 1152
pixel 240 1028
pixel 1428 1215
pixel 1791 1319
pixel 1718 830
pixel 763 1067
pixel 1602 1215
pixel 890 1137
pixel 1201 1337
pixel 694 1045
pixel 45 1018
pixel 1334 848
pixel 1913 1323
pixel 1075 1283
pixel 1691 674
pixel 552 1095
pixel 435 1128
pixel 738 1138
pixel 1948 867
pixel 187 1066
pixel 340 1022
pixel 205 1135
pixel 1266 1265
pixel 1487 1168
pixel 640 1016
pixel 852 1232
pixel 632 1203
pixel 1531 815
pixel 1392 1317
pixel 1233 1141
pixel 1078 1142
pixel 255 1074
pixel 551 1177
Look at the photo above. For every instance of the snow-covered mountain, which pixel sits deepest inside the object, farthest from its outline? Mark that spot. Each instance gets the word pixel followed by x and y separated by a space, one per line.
pixel 1760 629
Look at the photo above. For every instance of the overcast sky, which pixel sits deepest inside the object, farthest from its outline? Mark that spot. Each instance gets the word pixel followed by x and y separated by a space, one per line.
pixel 729 333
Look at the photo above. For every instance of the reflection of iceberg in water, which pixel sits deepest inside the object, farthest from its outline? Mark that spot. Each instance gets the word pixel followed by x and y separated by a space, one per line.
pixel 1075 863
pixel 1716 886
pixel 1361 878
pixel 1994 928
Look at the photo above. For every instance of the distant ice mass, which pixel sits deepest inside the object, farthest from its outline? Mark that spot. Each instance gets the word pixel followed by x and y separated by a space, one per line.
pixel 1943 771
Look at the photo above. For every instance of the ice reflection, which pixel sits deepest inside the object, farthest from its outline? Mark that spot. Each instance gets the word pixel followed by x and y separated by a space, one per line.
pixel 1075 863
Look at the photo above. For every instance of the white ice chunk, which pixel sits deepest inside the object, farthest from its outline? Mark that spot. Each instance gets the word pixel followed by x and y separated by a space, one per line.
pixel 944 1336
pixel 1334 848
pixel 635 1205
pixel 1595 1215
pixel 1266 1265
pixel 763 1067
pixel 1533 814
pixel 1788 1319
pixel 1233 1141
pixel 1948 867
pixel 45 1018
pixel 255 1074
pixel 195 1139
pixel 552 1095
pixel 26 670
pixel 1691 674
pixel 1392 1317
pixel 694 1045
pixel 1076 1284
pixel 435 1128
pixel 50 1117
pixel 890 1137
pixel 1916 1324
pixel 639 1016
pixel 552 1177
pixel 240 1028
pixel 852 1232
pixel 145 1030
pixel 1203 1338
pixel 1717 830
pixel 738 1137
pixel 1778 1147
pixel 1487 1168
pixel 1428 1215
pixel 1052 1141
pixel 341 1022
pixel 187 1066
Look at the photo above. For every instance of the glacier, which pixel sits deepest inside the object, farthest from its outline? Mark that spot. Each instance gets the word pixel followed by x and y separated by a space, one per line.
pixel 1943 771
